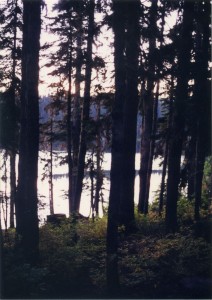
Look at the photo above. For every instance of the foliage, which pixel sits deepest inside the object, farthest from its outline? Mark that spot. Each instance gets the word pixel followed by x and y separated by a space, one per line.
pixel 152 264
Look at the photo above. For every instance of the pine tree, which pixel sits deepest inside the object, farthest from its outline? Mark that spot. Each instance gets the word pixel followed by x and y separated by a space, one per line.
pixel 11 26
pixel 121 210
pixel 178 126
pixel 26 198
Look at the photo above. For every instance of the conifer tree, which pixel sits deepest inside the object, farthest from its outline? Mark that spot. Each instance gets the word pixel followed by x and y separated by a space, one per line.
pixel 178 125
pixel 26 198
pixel 11 26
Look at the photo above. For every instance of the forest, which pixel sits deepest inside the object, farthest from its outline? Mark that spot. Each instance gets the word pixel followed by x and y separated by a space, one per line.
pixel 87 78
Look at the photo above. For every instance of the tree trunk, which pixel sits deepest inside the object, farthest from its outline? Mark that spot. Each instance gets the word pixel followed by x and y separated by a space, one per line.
pixel 201 91
pixel 155 106
pixel 191 166
pixel 14 122
pixel 76 108
pixel 177 136
pixel 86 109
pixel 69 132
pixel 116 148
pixel 130 115
pixel 148 116
pixel 26 200
pixel 166 151
pixel 152 148
pixel 51 194
pixel 98 162
pixel 12 187
pixel 199 167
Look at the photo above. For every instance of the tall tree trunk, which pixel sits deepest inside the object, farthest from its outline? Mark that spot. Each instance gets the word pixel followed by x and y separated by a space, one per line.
pixel 166 150
pixel 98 162
pixel 76 107
pixel 130 115
pixel 199 167
pixel 176 140
pixel 191 166
pixel 69 132
pixel 201 91
pixel 51 194
pixel 86 108
pixel 148 115
pixel 155 107
pixel 117 146
pixel 14 122
pixel 26 200
pixel 12 187
pixel 152 148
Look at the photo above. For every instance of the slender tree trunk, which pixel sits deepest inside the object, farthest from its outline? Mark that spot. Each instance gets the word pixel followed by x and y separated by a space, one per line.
pixel 201 92
pixel 14 122
pixel 98 163
pixel 86 108
pixel 199 168
pixel 92 189
pixel 176 140
pixel 76 109
pixel 130 115
pixel 69 134
pixel 26 200
pixel 166 151
pixel 5 199
pixel 12 187
pixel 117 147
pixel 155 111
pixel 148 116
pixel 152 148
pixel 51 194
pixel 191 166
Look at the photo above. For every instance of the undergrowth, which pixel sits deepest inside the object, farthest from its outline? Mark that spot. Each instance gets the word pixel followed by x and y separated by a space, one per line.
pixel 152 264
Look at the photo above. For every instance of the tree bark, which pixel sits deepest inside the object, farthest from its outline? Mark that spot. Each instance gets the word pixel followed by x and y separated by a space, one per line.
pixel 26 200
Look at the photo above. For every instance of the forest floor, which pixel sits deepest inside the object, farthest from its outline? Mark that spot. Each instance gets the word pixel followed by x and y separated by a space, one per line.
pixel 152 264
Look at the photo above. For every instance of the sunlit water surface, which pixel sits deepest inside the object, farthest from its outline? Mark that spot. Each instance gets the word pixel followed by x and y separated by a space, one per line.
pixel 60 185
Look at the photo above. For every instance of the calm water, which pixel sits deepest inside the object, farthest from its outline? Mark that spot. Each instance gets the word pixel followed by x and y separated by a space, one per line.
pixel 60 185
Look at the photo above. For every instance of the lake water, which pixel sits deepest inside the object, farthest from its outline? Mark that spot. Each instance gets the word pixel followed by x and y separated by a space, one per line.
pixel 60 185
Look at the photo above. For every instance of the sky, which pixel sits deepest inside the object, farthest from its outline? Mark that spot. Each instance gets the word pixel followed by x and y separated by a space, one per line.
pixel 103 50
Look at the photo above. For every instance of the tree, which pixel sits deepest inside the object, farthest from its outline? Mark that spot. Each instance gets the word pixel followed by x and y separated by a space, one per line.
pixel 125 21
pixel 117 146
pixel 77 21
pixel 26 198
pixel 10 44
pixel 130 111
pixel 85 108
pixel 201 91
pixel 178 125
pixel 148 104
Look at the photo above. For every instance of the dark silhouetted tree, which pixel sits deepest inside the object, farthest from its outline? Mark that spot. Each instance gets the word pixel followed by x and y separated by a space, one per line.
pixel 26 198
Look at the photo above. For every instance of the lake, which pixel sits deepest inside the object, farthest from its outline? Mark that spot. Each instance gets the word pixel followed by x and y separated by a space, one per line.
pixel 60 185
